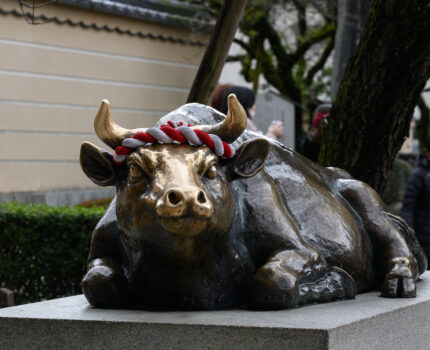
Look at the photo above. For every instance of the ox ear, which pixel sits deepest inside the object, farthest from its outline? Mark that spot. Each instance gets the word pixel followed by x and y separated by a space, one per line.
pixel 97 164
pixel 251 157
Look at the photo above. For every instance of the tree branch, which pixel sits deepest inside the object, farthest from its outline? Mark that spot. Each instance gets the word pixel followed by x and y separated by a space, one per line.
pixel 243 45
pixel 275 41
pixel 303 26
pixel 301 17
pixel 213 60
pixel 235 58
pixel 321 62
pixel 325 32
pixel 328 13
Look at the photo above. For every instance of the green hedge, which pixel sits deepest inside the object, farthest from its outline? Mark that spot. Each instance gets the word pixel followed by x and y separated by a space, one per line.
pixel 43 250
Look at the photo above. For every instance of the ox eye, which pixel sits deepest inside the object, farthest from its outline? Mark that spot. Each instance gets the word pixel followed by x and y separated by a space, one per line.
pixel 135 173
pixel 211 172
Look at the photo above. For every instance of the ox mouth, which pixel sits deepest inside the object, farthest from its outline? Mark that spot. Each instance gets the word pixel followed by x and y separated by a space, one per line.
pixel 184 226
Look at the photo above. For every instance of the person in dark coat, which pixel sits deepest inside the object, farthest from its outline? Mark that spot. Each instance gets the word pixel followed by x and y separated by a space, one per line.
pixel 416 203
pixel 246 97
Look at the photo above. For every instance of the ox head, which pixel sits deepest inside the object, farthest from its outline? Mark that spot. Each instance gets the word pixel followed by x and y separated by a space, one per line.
pixel 174 190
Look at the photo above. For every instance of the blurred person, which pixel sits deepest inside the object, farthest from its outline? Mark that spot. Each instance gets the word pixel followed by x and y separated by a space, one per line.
pixel 310 144
pixel 219 95
pixel 246 97
pixel 395 186
pixel 416 202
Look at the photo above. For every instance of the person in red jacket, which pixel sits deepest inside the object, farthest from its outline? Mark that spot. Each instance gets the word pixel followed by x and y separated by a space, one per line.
pixel 310 144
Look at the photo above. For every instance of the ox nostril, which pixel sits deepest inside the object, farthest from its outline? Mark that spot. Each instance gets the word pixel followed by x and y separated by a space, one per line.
pixel 174 198
pixel 201 198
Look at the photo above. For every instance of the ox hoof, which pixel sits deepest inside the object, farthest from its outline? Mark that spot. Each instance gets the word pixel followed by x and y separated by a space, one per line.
pixel 104 288
pixel 335 284
pixel 344 284
pixel 400 281
pixel 274 288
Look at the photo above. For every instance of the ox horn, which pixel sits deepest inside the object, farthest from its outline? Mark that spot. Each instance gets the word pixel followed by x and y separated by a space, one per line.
pixel 107 130
pixel 233 125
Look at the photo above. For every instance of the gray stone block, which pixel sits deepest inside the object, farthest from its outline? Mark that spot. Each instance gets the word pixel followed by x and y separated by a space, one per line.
pixel 366 322
pixel 6 298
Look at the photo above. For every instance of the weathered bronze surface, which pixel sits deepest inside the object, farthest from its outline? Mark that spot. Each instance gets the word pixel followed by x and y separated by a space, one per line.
pixel 266 228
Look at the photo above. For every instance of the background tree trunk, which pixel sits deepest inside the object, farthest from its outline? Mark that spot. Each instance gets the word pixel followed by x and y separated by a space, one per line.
pixel 351 19
pixel 216 53
pixel 370 118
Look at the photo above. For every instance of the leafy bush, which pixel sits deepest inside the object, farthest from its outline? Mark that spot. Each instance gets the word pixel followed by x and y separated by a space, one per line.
pixel 43 250
pixel 100 202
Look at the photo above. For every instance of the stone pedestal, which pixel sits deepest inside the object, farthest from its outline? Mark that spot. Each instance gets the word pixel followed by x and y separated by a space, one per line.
pixel 367 322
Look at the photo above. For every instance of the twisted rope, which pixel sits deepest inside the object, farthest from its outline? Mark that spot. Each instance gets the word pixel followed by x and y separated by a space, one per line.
pixel 172 133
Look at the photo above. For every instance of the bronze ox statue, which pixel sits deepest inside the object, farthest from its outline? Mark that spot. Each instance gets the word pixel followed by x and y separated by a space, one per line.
pixel 266 228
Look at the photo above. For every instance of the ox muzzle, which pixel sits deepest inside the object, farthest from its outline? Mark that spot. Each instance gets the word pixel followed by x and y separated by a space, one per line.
pixel 184 210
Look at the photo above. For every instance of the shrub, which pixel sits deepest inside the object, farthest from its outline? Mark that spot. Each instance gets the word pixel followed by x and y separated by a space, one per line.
pixel 100 202
pixel 43 250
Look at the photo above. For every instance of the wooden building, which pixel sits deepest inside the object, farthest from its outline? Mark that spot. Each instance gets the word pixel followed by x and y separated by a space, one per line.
pixel 141 55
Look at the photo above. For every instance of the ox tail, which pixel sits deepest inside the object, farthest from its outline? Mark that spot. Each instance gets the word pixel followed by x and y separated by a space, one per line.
pixel 412 241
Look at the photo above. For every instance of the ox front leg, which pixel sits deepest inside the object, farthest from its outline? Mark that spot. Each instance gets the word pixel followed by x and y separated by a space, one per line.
pixel 291 278
pixel 400 264
pixel 104 285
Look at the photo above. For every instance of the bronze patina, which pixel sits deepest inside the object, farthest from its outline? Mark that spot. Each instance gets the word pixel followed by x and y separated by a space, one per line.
pixel 266 228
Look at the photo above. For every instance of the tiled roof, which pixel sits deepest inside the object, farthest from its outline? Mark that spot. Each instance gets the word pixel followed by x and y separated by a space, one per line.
pixel 167 11
pixel 170 12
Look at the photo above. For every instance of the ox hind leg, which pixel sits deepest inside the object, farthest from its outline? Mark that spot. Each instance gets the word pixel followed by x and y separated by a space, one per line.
pixel 295 277
pixel 399 262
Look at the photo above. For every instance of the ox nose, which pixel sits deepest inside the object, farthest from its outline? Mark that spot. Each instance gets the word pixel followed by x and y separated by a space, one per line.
pixel 179 202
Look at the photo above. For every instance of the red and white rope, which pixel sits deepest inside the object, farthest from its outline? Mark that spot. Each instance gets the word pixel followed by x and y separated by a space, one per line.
pixel 172 133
